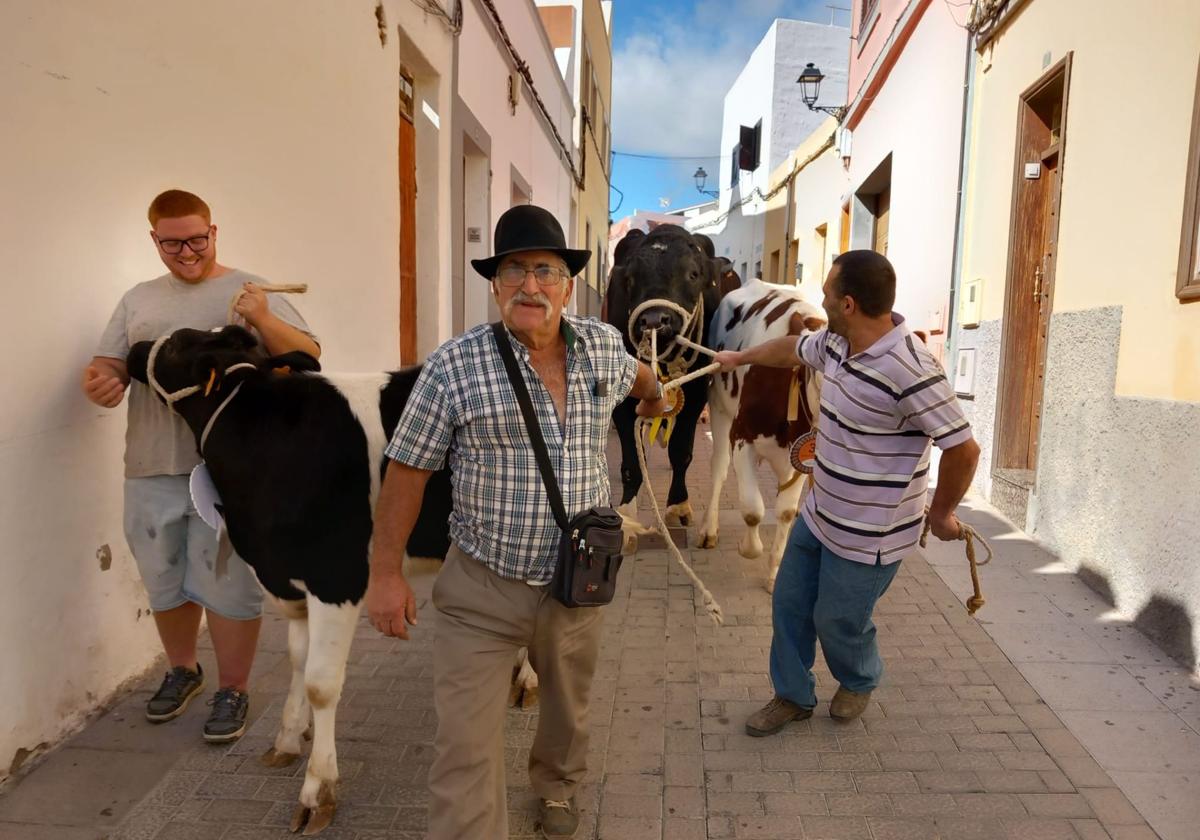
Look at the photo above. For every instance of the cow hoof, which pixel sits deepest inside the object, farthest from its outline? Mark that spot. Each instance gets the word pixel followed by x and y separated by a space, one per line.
pixel 529 698
pixel 750 550
pixel 315 820
pixel 679 514
pixel 274 758
pixel 312 820
pixel 708 540
pixel 320 819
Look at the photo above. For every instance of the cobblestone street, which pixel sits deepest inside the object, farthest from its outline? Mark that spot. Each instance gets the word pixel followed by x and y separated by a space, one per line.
pixel 955 744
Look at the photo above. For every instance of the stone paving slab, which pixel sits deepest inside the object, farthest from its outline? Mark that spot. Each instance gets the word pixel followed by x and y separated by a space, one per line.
pixel 956 743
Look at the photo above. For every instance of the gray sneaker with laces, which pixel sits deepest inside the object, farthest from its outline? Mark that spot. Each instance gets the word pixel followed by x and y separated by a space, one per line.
pixel 178 688
pixel 227 721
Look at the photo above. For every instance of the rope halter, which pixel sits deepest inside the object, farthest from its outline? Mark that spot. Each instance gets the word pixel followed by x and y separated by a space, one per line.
pixel 172 397
pixel 689 334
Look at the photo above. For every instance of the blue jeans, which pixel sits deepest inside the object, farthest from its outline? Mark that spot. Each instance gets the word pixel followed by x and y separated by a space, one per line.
pixel 819 595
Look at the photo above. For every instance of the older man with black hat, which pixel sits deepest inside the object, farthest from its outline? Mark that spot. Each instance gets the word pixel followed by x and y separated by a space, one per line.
pixel 491 595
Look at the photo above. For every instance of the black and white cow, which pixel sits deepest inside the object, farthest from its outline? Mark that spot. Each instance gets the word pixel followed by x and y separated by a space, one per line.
pixel 749 412
pixel 668 263
pixel 297 460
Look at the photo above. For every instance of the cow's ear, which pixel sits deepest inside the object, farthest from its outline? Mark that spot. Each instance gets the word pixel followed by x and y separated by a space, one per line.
pixel 238 338
pixel 706 245
pixel 135 362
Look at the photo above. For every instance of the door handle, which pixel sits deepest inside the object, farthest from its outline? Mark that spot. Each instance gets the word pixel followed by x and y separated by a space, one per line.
pixel 1037 283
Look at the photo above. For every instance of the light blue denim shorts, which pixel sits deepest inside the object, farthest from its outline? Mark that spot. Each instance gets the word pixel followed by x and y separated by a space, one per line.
pixel 176 552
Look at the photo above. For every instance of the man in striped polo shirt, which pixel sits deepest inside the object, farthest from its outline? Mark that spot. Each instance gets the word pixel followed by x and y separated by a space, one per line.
pixel 883 400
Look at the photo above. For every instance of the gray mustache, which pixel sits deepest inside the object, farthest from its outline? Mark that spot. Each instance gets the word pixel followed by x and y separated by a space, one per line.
pixel 538 298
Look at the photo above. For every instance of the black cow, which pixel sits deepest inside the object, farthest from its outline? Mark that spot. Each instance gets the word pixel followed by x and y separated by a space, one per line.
pixel 672 264
pixel 297 460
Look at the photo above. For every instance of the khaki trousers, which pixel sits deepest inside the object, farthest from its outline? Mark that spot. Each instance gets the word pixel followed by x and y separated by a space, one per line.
pixel 482 621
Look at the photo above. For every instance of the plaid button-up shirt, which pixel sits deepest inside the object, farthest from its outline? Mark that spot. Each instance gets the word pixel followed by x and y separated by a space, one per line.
pixel 464 406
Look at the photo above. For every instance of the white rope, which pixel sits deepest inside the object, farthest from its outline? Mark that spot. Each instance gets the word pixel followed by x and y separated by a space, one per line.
pixel 172 397
pixel 281 288
pixel 710 602
pixel 693 327
pixel 649 344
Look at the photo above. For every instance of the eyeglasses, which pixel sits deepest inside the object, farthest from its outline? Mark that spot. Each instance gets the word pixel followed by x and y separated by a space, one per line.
pixel 175 246
pixel 514 275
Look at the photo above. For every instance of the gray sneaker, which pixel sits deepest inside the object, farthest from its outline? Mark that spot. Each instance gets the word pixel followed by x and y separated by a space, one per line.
pixel 774 716
pixel 560 818
pixel 178 688
pixel 227 721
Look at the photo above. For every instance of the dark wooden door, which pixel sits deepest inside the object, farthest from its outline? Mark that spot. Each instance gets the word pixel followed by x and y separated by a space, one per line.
pixel 408 227
pixel 1029 291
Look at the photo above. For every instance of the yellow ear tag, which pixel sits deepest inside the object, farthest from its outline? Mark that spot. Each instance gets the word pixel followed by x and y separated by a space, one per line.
pixel 670 427
pixel 212 377
pixel 794 397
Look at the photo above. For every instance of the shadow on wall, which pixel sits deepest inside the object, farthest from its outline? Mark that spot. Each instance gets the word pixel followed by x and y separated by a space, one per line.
pixel 1113 482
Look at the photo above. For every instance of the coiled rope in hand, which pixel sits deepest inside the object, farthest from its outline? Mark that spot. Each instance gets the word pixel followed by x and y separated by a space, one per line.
pixel 968 535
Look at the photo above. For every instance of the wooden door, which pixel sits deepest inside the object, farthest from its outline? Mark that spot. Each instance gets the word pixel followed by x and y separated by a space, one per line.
pixel 844 238
pixel 408 227
pixel 883 213
pixel 1029 290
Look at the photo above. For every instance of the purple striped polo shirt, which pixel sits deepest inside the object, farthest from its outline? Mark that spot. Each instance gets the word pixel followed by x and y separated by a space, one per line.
pixel 879 411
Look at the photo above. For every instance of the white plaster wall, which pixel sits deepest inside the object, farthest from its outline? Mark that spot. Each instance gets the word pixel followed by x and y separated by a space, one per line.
pixel 766 89
pixel 818 192
pixel 520 141
pixel 283 115
pixel 916 118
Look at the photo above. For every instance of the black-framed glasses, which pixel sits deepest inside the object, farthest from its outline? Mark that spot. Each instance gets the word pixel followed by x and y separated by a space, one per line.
pixel 175 246
pixel 514 275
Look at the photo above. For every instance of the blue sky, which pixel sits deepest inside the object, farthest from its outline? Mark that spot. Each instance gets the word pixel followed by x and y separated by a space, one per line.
pixel 673 62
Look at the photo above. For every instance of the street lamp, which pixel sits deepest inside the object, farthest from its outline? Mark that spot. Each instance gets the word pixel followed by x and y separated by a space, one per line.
pixel 701 177
pixel 810 89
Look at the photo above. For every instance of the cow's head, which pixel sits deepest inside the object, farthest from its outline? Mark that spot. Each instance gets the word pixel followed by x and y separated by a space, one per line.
pixel 193 358
pixel 669 263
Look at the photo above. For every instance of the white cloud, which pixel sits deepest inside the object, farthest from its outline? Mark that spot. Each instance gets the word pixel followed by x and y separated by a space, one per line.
pixel 670 79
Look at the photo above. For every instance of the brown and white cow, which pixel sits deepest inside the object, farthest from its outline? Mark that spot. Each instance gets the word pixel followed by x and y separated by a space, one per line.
pixel 749 412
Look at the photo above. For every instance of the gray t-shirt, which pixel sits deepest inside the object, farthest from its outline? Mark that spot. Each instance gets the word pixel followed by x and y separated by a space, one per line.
pixel 157 441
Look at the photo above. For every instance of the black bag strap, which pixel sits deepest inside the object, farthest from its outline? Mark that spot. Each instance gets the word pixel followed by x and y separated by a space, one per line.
pixel 500 333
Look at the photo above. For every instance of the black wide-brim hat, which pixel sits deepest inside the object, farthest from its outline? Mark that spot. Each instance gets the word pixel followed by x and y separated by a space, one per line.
pixel 528 227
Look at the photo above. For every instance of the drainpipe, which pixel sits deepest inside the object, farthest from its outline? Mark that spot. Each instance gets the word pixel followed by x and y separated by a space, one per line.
pixel 959 215
pixel 789 274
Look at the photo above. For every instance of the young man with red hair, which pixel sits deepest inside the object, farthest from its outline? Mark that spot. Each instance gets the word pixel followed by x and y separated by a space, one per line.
pixel 172 545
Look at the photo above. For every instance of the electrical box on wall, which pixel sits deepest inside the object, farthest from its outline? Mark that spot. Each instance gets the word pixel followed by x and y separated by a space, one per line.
pixel 964 372
pixel 970 305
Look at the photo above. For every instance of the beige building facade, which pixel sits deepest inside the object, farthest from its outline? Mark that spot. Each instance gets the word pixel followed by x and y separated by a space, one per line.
pixel 1078 345
pixel 581 33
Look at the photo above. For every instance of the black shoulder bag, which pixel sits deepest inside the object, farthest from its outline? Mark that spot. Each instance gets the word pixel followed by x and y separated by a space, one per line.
pixel 589 550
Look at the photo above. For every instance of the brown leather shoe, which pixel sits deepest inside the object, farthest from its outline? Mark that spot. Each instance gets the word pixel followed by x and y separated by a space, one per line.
pixel 559 818
pixel 774 716
pixel 847 705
